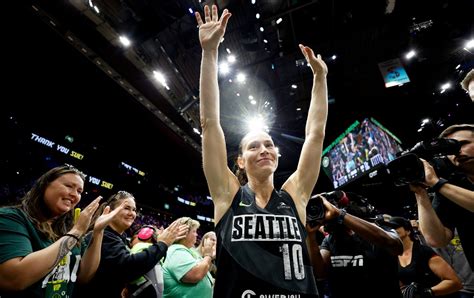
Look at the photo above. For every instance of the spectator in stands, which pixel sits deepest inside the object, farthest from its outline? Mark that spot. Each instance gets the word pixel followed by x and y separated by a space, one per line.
pixel 185 272
pixel 209 238
pixel 118 266
pixel 468 84
pixel 421 271
pixel 40 247
pixel 253 258
pixel 150 285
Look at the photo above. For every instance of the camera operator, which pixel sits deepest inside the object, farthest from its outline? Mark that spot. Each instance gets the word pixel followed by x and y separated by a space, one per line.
pixel 357 258
pixel 453 203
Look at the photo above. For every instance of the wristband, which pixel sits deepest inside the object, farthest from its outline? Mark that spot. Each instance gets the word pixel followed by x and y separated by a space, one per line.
pixel 340 218
pixel 438 185
pixel 73 236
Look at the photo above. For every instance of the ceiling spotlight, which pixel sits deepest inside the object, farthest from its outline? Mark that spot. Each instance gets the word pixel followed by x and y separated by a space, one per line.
pixel 261 29
pixel 190 10
pixel 410 54
pixel 470 44
pixel 231 59
pixel 224 68
pixel 124 41
pixel 445 86
pixel 279 21
pixel 294 86
pixel 257 16
pixel 240 78
pixel 333 57
pixel 265 41
pixel 160 78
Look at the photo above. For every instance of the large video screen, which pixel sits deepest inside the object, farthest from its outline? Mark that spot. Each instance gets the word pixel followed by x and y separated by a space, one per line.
pixel 362 147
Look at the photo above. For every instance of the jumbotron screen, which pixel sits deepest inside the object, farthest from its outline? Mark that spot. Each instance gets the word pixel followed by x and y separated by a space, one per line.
pixel 362 147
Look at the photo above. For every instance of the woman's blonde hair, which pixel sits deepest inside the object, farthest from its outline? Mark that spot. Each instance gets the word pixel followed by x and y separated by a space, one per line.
pixel 207 235
pixel 191 223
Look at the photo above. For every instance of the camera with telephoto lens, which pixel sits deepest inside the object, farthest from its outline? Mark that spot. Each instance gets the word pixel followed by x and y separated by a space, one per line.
pixel 408 168
pixel 315 209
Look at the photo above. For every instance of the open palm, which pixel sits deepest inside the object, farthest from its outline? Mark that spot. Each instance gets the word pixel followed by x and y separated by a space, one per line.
pixel 316 62
pixel 106 217
pixel 212 30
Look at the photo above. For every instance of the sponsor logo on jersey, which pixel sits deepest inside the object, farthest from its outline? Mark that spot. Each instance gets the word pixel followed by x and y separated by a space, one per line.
pixel 250 294
pixel 242 204
pixel 283 205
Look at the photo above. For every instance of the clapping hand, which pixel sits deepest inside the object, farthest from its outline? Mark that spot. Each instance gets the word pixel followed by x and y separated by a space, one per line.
pixel 85 217
pixel 209 249
pixel 173 232
pixel 106 217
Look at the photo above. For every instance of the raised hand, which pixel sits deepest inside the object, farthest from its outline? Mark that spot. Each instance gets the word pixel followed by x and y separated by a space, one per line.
pixel 84 220
pixel 107 216
pixel 209 249
pixel 212 30
pixel 317 64
pixel 173 232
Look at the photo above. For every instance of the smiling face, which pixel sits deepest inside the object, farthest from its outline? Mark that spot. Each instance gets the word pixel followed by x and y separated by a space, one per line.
pixel 126 216
pixel 259 155
pixel 63 194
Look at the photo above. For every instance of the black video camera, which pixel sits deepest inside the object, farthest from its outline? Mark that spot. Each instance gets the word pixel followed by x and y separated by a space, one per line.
pixel 315 209
pixel 408 168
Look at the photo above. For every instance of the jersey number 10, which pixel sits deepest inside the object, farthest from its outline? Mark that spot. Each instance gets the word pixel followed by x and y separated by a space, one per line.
pixel 295 258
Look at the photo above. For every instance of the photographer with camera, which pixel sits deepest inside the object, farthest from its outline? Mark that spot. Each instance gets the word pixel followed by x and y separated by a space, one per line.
pixel 453 203
pixel 358 258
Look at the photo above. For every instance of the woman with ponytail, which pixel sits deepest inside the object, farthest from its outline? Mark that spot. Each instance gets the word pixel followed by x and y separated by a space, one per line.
pixel 118 266
pixel 260 230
